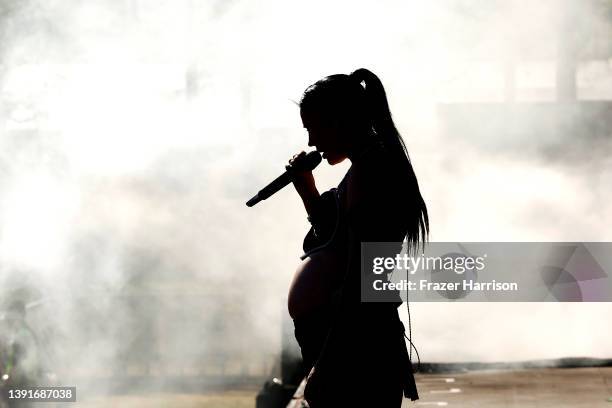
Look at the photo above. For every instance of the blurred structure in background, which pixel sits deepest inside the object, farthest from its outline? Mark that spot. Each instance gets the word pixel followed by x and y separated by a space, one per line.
pixel 552 100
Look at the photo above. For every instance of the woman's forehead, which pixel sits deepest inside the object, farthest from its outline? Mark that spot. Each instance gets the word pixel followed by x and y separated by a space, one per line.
pixel 312 118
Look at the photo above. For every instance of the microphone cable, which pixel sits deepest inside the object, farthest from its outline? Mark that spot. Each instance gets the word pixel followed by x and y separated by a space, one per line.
pixel 409 338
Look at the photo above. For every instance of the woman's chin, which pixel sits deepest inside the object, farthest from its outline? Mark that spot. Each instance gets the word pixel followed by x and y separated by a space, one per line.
pixel 333 158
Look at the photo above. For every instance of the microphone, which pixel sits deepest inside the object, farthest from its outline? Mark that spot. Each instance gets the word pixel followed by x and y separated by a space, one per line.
pixel 311 161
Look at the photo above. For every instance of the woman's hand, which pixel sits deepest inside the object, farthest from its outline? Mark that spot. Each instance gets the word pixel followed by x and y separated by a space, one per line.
pixel 303 180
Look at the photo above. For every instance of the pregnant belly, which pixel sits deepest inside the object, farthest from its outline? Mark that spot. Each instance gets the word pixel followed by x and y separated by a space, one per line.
pixel 314 282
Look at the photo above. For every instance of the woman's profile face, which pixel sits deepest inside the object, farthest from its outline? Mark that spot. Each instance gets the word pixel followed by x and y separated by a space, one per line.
pixel 326 136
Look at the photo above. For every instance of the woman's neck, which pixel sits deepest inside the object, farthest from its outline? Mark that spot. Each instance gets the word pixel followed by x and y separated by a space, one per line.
pixel 362 146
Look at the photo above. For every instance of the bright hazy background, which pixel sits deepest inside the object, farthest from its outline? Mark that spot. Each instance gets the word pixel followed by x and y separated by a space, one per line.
pixel 133 132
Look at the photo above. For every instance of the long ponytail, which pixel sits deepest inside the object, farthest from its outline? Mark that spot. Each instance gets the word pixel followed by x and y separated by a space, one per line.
pixel 383 125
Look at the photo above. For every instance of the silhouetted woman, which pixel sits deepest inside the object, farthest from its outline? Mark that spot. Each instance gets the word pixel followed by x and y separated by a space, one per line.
pixel 357 349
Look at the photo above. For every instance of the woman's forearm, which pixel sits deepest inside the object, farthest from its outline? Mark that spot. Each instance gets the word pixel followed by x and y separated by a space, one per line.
pixel 304 183
pixel 310 198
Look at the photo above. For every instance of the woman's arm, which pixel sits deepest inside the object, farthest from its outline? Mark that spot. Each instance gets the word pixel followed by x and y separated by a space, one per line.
pixel 304 184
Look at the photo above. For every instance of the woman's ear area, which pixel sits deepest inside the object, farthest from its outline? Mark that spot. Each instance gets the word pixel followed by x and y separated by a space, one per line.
pixel 336 124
